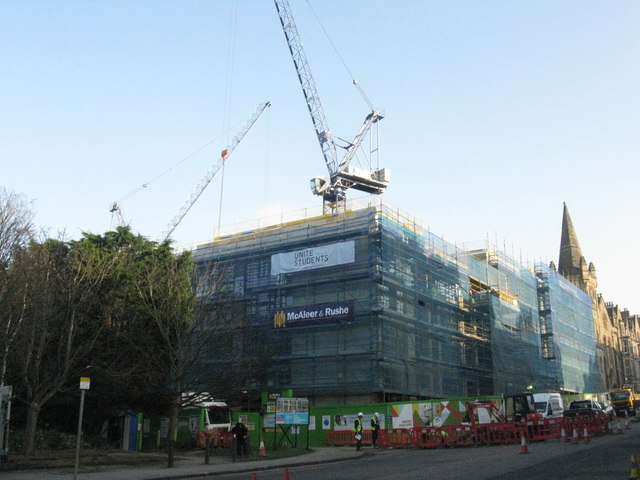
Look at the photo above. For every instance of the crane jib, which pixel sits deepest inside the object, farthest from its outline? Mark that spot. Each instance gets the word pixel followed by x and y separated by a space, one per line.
pixel 342 175
pixel 226 153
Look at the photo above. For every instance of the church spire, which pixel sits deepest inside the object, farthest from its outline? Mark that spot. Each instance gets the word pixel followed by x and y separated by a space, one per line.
pixel 570 261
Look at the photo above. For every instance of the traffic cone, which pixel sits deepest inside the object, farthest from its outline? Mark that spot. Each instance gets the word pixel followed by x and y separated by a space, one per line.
pixel 634 468
pixel 575 435
pixel 524 448
pixel 262 452
pixel 563 435
pixel 254 476
pixel 286 474
pixel 586 437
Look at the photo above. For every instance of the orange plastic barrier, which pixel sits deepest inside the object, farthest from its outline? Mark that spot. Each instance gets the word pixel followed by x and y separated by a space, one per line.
pixel 595 424
pixel 383 441
pixel 458 435
pixel 483 434
pixel 544 429
pixel 427 437
pixel 223 439
pixel 347 437
pixel 397 438
pixel 340 437
pixel 497 433
pixel 554 426
pixel 218 438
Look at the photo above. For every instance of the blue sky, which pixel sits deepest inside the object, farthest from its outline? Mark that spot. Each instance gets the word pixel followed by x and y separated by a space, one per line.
pixel 497 112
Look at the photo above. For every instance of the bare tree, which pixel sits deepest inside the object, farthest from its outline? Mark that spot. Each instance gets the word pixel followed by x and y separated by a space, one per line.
pixel 16 229
pixel 236 355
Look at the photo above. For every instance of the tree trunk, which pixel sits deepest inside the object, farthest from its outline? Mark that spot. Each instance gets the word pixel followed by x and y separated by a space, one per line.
pixel 28 441
pixel 3 367
pixel 171 441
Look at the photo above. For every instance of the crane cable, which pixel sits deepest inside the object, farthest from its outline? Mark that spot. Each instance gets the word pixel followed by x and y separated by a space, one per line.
pixel 344 64
pixel 222 135
pixel 162 174
pixel 222 138
pixel 228 91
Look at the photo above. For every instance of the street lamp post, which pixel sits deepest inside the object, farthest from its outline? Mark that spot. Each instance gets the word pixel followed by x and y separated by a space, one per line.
pixel 85 383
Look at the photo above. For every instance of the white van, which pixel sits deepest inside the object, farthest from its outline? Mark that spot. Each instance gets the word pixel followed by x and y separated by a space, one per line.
pixel 549 404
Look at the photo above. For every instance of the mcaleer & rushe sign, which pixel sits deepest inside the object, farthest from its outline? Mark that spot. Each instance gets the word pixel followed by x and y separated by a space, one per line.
pixel 313 315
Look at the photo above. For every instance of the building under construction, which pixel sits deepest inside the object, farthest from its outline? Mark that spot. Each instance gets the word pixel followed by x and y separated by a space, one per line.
pixel 368 306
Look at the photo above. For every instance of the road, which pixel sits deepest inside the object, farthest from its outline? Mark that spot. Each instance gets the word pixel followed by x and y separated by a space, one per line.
pixel 604 457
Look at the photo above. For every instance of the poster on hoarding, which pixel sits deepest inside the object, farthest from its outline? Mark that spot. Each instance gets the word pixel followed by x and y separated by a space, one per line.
pixel 326 422
pixel 269 421
pixel 346 421
pixel 402 416
pixel 423 414
pixel 292 411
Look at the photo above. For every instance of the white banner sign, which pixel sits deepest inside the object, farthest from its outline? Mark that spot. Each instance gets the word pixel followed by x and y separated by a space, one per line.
pixel 315 257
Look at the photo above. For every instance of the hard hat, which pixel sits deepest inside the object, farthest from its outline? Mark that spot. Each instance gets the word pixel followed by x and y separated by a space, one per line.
pixel 360 414
pixel 377 414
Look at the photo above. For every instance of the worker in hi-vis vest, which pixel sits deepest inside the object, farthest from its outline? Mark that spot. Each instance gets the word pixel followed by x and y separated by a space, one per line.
pixel 375 428
pixel 357 427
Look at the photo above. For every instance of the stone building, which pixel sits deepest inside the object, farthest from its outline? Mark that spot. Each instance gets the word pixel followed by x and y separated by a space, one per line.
pixel 617 332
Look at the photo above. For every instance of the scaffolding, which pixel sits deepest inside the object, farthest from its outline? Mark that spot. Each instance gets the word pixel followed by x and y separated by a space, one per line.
pixel 426 319
pixel 567 330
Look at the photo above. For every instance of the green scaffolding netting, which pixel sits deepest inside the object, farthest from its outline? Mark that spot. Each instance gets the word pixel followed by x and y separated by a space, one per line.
pixel 429 319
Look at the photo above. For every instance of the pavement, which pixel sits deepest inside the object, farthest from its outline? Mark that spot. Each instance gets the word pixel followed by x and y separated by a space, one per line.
pixel 187 466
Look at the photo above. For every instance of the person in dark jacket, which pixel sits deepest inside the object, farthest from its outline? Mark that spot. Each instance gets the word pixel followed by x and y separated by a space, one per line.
pixel 240 432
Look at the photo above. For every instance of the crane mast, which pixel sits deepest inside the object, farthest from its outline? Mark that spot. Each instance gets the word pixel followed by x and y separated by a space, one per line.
pixel 342 175
pixel 308 84
pixel 213 170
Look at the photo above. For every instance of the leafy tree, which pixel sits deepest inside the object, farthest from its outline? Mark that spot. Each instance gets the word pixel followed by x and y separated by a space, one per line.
pixel 143 322
pixel 163 285
pixel 61 310
pixel 195 334
pixel 152 338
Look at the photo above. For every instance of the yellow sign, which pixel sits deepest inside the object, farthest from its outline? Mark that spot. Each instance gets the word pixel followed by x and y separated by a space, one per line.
pixel 279 320
pixel 85 383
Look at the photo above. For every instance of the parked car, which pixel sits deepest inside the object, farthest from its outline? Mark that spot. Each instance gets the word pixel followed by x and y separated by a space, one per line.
pixel 583 407
pixel 608 409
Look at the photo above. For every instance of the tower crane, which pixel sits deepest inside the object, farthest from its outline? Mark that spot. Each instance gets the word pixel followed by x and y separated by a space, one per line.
pixel 116 210
pixel 226 153
pixel 342 175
